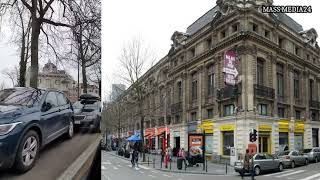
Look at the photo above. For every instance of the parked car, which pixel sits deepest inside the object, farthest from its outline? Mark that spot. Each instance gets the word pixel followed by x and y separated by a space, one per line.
pixel 313 154
pixel 88 112
pixel 30 119
pixel 262 163
pixel 293 158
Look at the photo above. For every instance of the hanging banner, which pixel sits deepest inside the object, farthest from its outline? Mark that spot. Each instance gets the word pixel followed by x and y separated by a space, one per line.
pixel 229 68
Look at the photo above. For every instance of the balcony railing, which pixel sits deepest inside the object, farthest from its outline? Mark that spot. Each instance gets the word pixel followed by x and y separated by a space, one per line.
pixel 229 92
pixel 263 91
pixel 314 104
pixel 177 107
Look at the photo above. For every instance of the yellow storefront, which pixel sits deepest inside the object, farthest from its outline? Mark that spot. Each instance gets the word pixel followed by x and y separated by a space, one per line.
pixel 207 127
pixel 227 138
pixel 283 134
pixel 264 139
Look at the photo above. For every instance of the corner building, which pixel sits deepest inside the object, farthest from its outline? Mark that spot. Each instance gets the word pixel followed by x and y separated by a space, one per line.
pixel 276 91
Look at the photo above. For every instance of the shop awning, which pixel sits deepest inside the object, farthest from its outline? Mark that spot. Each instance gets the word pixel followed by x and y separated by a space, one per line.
pixel 161 130
pixel 149 132
pixel 265 127
pixel 134 138
pixel 206 126
pixel 299 127
pixel 283 125
pixel 227 127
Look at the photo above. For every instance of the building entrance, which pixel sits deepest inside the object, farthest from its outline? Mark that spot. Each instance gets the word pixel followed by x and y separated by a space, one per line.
pixel 264 144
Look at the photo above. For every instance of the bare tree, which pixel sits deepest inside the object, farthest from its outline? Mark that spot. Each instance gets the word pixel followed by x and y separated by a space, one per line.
pixel 12 74
pixel 133 60
pixel 2 85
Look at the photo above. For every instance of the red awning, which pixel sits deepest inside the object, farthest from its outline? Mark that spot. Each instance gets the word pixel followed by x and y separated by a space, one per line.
pixel 161 130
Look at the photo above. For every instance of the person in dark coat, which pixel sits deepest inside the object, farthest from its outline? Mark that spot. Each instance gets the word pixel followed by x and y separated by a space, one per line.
pixel 246 163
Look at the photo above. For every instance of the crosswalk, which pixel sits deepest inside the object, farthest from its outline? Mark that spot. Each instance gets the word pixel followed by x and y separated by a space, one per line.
pixel 293 174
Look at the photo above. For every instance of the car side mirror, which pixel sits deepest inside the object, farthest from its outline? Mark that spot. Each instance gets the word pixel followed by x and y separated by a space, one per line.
pixel 46 106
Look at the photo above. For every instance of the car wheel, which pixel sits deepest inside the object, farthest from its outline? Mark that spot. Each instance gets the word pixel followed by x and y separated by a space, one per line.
pixel 70 132
pixel 27 153
pixel 280 167
pixel 293 164
pixel 257 170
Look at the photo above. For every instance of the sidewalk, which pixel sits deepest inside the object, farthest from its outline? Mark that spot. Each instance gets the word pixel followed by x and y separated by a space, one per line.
pixel 210 169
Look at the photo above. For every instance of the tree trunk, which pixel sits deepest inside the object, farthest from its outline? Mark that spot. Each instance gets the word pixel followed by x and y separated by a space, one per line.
pixel 142 132
pixel 34 53
pixel 84 76
pixel 23 64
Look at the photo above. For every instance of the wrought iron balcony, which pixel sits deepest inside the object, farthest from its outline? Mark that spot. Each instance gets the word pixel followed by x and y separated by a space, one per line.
pixel 263 91
pixel 314 104
pixel 177 107
pixel 229 92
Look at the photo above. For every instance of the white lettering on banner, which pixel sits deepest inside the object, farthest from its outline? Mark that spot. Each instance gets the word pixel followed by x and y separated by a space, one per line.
pixel 229 68
pixel 229 79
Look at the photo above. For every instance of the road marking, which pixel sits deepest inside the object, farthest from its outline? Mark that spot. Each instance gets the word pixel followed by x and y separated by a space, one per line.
pixel 311 177
pixel 286 171
pixel 155 172
pixel 141 172
pixel 144 167
pixel 119 165
pixel 102 167
pixel 106 162
pixel 296 172
pixel 166 175
pixel 115 168
pixel 152 176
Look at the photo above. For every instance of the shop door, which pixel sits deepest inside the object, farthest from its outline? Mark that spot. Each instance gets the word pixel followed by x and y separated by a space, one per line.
pixel 177 142
pixel 264 144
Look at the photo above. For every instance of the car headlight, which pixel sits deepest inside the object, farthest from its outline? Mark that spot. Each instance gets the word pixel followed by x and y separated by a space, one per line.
pixel 6 128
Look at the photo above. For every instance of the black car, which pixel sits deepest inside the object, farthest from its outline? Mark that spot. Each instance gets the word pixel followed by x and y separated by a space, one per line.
pixel 30 119
pixel 88 113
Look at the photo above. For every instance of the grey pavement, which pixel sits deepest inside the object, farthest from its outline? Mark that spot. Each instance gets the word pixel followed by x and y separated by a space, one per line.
pixel 54 159
pixel 211 168
pixel 116 168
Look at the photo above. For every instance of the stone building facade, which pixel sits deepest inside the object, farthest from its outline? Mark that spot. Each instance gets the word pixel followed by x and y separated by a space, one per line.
pixel 276 90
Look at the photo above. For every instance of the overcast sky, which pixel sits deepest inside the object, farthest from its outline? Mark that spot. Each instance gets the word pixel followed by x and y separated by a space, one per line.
pixel 154 22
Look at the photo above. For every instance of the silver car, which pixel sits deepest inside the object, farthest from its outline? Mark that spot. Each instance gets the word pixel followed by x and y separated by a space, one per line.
pixel 293 158
pixel 312 154
pixel 262 162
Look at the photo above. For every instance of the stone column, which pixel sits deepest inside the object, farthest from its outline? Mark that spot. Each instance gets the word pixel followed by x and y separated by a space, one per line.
pixel 290 88
pixel 200 91
pixel 274 85
pixel 305 95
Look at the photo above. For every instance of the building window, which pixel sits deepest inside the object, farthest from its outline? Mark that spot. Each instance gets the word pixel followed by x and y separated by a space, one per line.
pixel 235 28
pixel 281 112
pixel 210 113
pixel 260 71
pixel 179 86
pixel 208 42
pixel 280 80
pixel 296 84
pixel 222 34
pixel 263 109
pixel 192 52
pixel 194 86
pixel 193 116
pixel 211 80
pixel 313 116
pixel 298 114
pixel 254 27
pixel 311 89
pixel 177 119
pixel 57 82
pixel 297 51
pixel 283 141
pixel 267 34
pixel 315 137
pixel 175 63
pixel 228 110
pixel 308 57
pixel 281 42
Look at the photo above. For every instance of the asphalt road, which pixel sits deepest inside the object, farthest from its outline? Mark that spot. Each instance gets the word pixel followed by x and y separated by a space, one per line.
pixel 115 168
pixel 54 158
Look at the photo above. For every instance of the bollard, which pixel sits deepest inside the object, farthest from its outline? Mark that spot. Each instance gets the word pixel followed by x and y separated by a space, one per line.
pixel 226 168
pixel 148 160
pixel 154 162
pixel 206 165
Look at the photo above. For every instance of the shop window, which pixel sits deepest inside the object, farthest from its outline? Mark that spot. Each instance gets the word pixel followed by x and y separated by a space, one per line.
pixel 283 141
pixel 210 113
pixel 228 110
pixel 281 112
pixel 228 142
pixel 209 143
pixel 315 137
pixel 263 109
pixel 298 141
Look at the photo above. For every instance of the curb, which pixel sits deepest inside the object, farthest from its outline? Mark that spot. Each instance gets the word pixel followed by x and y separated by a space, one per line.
pixel 82 164
pixel 174 171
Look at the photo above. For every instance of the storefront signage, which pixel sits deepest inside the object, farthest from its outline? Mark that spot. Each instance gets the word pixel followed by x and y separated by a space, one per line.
pixel 299 127
pixel 227 127
pixel 206 126
pixel 265 127
pixel 283 125
pixel 230 61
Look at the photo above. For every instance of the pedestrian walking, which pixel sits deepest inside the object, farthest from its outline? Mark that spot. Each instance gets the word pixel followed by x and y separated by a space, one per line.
pixel 170 153
pixel 181 154
pixel 246 163
pixel 166 158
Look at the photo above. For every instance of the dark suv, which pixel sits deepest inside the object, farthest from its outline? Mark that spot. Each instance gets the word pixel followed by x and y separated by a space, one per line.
pixel 29 119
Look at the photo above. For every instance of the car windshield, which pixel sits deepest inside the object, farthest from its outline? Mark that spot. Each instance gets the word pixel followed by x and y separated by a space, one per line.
pixel 307 150
pixel 284 153
pixel 89 106
pixel 20 96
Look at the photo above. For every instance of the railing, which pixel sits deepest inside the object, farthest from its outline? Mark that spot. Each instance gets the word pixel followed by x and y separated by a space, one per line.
pixel 263 91
pixel 228 92
pixel 177 107
pixel 314 104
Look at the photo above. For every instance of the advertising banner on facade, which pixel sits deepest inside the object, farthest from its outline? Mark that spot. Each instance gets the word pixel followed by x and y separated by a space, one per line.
pixel 229 68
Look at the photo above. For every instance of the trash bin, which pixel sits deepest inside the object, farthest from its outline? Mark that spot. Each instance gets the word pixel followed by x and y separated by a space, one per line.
pixel 179 163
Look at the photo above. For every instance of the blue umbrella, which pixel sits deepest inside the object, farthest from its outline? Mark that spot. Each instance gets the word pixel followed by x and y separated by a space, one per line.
pixel 134 138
